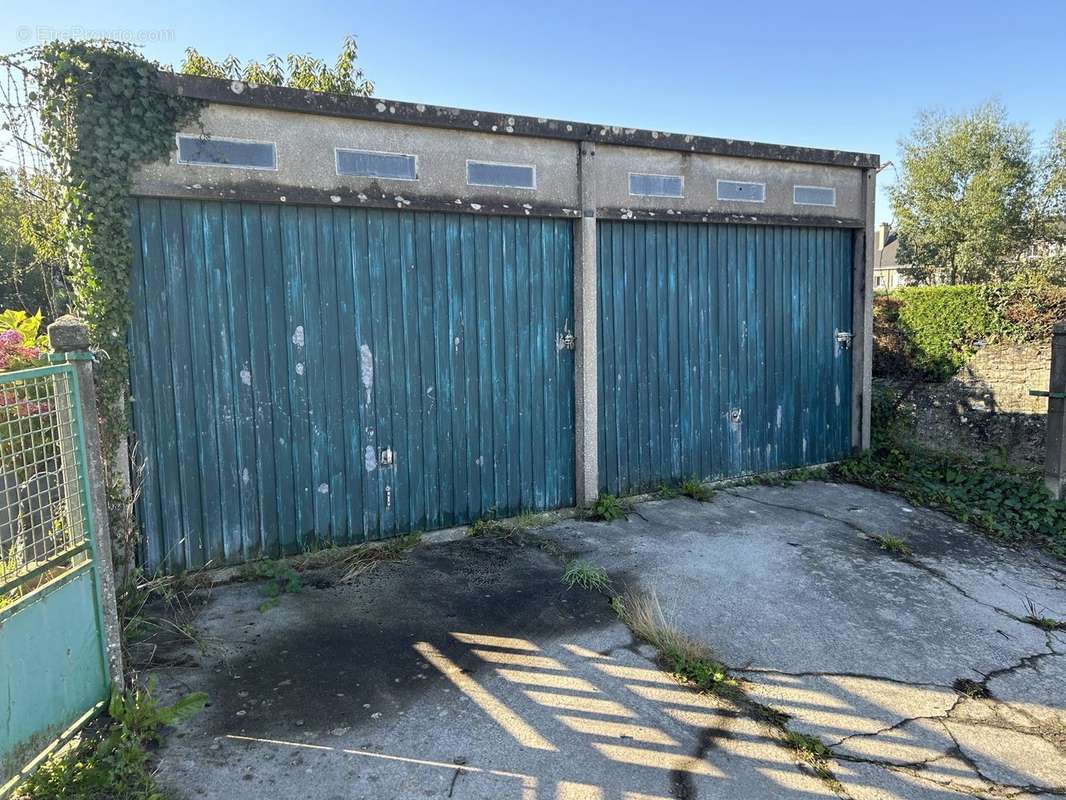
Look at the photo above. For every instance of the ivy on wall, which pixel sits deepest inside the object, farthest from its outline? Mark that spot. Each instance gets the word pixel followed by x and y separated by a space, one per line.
pixel 103 112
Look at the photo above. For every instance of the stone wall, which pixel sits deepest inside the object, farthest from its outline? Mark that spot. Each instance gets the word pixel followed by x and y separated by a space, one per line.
pixel 1001 375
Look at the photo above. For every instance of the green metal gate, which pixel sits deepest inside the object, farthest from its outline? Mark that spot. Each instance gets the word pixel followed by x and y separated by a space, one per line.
pixel 719 353
pixel 53 668
pixel 308 375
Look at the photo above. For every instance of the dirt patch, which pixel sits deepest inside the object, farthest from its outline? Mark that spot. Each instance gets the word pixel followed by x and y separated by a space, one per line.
pixel 346 651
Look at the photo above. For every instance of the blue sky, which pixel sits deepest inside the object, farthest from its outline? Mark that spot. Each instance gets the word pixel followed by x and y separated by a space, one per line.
pixel 825 74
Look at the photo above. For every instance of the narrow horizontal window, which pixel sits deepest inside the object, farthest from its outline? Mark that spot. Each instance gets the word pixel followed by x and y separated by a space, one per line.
pixel 511 176
pixel 814 195
pixel 372 164
pixel 744 191
pixel 646 185
pixel 215 152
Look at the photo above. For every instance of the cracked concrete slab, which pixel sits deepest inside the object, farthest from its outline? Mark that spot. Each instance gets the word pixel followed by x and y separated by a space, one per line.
pixel 466 670
pixel 863 649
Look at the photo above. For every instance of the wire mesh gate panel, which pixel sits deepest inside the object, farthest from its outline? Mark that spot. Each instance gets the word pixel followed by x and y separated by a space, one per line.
pixel 308 375
pixel 53 669
pixel 719 353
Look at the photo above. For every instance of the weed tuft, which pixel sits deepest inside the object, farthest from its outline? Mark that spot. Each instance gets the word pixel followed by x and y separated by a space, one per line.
pixel 893 544
pixel 666 492
pixel 696 490
pixel 1035 616
pixel 586 575
pixel 369 556
pixel 687 660
pixel 114 764
pixel 488 526
pixel 811 751
pixel 608 507
pixel 971 688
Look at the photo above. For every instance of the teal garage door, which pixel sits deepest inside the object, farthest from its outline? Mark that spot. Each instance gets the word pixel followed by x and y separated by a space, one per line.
pixel 304 375
pixel 718 350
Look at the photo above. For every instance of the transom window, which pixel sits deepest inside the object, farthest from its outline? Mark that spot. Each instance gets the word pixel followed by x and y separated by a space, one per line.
pixel 214 151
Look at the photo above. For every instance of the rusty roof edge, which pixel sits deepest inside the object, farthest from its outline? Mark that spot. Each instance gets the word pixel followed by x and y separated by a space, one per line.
pixel 215 90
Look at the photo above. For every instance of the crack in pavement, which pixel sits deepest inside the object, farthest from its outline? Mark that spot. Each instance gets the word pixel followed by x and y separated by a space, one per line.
pixel 910 560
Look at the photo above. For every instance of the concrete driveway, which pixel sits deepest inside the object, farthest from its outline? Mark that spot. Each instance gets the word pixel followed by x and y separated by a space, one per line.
pixel 468 670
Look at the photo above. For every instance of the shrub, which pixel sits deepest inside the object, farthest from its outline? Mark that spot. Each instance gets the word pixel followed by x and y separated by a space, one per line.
pixel 608 507
pixel 942 325
pixel 21 342
pixel 1027 306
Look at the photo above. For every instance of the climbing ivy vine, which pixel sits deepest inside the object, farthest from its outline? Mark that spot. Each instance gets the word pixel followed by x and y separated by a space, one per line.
pixel 103 112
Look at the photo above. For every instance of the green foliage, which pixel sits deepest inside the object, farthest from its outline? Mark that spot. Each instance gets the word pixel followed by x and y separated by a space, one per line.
pixel 666 491
pixel 280 579
pixel 31 242
pixel 692 487
pixel 586 575
pixel 103 113
pixel 487 526
pixel 608 507
pixel 785 477
pixel 296 71
pixel 967 202
pixel 115 766
pixel 929 332
pixel 703 672
pixel 942 325
pixel 893 544
pixel 22 345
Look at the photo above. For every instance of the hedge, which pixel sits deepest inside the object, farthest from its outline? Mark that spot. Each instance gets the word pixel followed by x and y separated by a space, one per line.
pixel 930 332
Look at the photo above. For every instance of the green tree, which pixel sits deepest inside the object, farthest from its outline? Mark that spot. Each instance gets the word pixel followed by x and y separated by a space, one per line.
pixel 967 202
pixel 32 258
pixel 296 71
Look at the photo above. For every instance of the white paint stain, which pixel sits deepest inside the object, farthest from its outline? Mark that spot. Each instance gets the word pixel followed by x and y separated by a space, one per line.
pixel 366 369
pixel 246 377
pixel 298 336
pixel 245 475
pixel 779 415
pixel 476 206
pixel 370 459
pixel 838 395
pixel 336 198
pixel 299 368
pixel 323 488
pixel 457 344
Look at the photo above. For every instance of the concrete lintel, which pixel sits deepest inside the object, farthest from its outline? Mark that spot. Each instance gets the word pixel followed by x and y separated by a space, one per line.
pixel 240 93
pixel 586 363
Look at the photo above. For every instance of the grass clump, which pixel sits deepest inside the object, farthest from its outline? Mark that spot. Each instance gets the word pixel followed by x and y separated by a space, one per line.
pixel 693 488
pixel 280 576
pixel 811 751
pixel 487 526
pixel 893 544
pixel 608 507
pixel 1035 616
pixel 687 660
pixel 369 556
pixel 114 764
pixel 971 688
pixel 586 575
pixel 666 492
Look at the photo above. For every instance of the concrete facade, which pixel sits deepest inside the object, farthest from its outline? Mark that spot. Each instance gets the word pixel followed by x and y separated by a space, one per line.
pixel 582 173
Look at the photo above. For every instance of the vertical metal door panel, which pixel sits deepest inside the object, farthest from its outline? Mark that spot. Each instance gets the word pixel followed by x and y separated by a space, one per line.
pixel 718 354
pixel 304 376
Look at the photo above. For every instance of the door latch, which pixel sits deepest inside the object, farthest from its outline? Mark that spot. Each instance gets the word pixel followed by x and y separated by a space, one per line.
pixel 843 338
pixel 386 457
pixel 566 341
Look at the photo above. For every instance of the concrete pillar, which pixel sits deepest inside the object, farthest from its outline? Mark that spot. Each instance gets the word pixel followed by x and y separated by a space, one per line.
pixel 862 325
pixel 69 338
pixel 586 422
pixel 1055 460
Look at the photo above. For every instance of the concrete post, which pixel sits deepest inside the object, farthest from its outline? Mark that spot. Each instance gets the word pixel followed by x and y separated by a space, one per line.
pixel 1055 460
pixel 862 325
pixel 586 310
pixel 69 338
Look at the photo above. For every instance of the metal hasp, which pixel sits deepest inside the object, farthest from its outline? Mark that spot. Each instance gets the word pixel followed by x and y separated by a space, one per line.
pixel 1055 458
pixel 567 341
pixel 843 338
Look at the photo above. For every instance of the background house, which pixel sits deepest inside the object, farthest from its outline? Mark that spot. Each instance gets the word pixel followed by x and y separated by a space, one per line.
pixel 888 274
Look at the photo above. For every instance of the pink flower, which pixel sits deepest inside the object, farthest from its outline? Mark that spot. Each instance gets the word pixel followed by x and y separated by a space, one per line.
pixel 10 337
